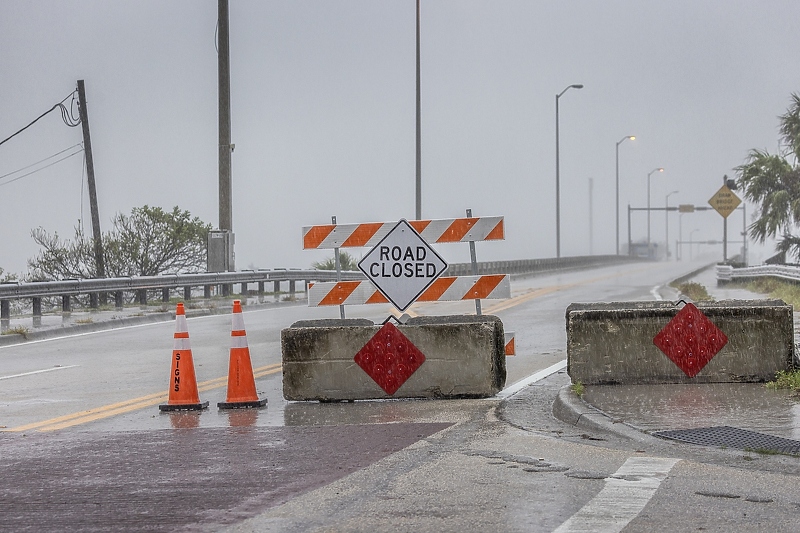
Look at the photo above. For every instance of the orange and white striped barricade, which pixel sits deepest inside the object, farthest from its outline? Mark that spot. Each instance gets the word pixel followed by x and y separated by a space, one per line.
pixel 444 289
pixel 511 348
pixel 329 236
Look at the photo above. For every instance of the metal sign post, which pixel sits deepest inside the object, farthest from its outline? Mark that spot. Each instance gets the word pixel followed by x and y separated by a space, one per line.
pixel 474 261
pixel 725 202
pixel 337 262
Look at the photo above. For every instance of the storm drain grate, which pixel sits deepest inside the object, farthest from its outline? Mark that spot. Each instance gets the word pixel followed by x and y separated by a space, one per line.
pixel 730 437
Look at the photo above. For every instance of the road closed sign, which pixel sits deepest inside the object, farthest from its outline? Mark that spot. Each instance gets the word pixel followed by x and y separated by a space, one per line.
pixel 402 265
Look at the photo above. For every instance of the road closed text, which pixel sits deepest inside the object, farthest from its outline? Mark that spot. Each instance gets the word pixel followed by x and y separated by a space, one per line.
pixel 402 262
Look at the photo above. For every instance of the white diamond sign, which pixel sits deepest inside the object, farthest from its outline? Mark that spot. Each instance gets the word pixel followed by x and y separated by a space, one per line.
pixel 402 265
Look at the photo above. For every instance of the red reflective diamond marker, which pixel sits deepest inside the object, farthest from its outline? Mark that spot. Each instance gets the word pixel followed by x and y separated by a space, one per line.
pixel 389 358
pixel 690 340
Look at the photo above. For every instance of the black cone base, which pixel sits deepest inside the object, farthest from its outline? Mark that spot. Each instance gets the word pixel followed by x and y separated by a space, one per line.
pixel 242 405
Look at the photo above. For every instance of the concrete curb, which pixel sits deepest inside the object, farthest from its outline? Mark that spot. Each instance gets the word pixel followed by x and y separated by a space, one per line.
pixel 152 318
pixel 570 409
pixel 63 331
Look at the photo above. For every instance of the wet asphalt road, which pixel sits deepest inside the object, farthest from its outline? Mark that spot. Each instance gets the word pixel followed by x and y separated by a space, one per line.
pixel 90 451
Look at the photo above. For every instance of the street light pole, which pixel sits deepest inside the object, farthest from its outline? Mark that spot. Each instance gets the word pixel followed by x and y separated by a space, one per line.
pixel 631 137
pixel 648 207
pixel 591 222
pixel 691 254
pixel 418 211
pixel 666 211
pixel 558 183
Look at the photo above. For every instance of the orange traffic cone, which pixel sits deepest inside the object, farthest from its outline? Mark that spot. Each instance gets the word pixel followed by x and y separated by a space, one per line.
pixel 241 383
pixel 183 383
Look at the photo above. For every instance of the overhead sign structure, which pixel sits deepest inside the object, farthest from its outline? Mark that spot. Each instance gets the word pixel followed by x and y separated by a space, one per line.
pixel 402 265
pixel 724 201
pixel 686 208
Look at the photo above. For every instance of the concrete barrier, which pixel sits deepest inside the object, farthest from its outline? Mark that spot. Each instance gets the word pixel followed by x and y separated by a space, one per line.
pixel 612 343
pixel 464 358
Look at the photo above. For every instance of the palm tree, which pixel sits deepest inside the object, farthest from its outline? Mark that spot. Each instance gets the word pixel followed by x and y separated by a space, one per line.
pixel 346 262
pixel 773 183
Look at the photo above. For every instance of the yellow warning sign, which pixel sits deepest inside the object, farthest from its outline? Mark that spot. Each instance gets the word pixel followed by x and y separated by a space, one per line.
pixel 724 201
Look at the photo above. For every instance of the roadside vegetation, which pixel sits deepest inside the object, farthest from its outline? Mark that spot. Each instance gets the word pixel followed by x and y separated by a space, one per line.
pixel 786 380
pixel 17 330
pixel 148 242
pixel 772 183
pixel 346 261
pixel 694 291
pixel 5 278
pixel 775 288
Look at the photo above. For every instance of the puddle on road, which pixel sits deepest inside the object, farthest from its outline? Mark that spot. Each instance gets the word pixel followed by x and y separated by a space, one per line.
pixel 662 407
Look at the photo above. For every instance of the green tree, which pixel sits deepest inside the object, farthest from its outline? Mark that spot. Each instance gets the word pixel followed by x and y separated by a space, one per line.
pixel 148 242
pixel 772 182
pixel 6 277
pixel 346 261
pixel 152 241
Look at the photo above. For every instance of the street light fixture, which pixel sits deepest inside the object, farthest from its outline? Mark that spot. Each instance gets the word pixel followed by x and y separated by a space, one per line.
pixel 558 185
pixel 659 169
pixel 666 211
pixel 631 137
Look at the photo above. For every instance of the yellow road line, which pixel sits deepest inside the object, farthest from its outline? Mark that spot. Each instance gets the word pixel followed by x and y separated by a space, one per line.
pixel 535 293
pixel 134 404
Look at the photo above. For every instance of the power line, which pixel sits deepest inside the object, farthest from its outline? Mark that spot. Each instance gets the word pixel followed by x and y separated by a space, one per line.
pixel 42 161
pixel 42 168
pixel 67 115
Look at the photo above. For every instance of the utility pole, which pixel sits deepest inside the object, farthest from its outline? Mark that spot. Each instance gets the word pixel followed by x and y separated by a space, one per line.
pixel 225 146
pixel 591 222
pixel 87 150
pixel 224 78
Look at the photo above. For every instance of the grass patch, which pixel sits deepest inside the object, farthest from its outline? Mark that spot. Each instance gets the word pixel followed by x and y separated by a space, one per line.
pixel 17 330
pixel 775 288
pixel 786 380
pixel 578 388
pixel 695 291
pixel 87 320
pixel 762 451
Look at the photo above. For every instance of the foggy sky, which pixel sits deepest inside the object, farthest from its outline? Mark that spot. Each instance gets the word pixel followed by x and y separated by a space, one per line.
pixel 323 114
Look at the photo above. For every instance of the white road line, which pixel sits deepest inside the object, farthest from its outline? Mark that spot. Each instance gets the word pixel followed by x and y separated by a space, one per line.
pixel 625 494
pixel 656 294
pixel 533 378
pixel 37 372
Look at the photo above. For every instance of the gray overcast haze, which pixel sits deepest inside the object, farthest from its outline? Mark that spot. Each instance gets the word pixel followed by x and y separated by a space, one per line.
pixel 323 114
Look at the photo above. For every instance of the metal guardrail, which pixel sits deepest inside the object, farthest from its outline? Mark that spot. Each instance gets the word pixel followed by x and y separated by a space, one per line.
pixel 727 273
pixel 40 289
pixel 16 290
pixel 67 289
pixel 537 266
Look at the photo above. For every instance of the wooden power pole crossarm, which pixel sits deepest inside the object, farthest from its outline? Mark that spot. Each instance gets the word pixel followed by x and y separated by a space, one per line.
pixel 87 149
